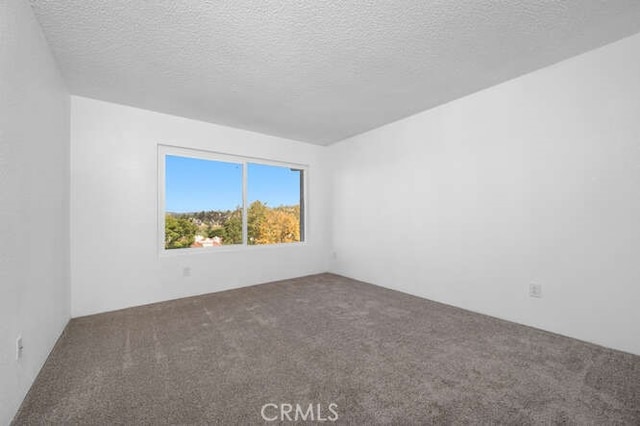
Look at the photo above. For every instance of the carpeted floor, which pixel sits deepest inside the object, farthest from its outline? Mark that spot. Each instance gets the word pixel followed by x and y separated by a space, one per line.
pixel 381 356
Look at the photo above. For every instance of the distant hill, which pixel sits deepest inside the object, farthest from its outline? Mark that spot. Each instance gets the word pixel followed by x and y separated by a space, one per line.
pixel 214 218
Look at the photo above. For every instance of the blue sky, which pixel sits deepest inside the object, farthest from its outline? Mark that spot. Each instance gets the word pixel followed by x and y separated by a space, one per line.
pixel 194 185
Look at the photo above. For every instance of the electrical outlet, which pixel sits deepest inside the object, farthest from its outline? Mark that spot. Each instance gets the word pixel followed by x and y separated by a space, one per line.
pixel 19 348
pixel 535 290
pixel 334 255
pixel 186 271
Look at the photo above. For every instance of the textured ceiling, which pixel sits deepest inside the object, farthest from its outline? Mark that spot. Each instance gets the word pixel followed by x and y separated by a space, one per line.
pixel 314 71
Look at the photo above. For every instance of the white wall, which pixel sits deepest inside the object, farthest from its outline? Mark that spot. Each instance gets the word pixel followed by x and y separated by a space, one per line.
pixel 34 202
pixel 115 260
pixel 537 179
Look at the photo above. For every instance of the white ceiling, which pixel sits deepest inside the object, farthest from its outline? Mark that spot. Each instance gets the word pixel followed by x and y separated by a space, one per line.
pixel 314 71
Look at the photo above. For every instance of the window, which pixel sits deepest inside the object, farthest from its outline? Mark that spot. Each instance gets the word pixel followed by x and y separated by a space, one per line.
pixel 208 201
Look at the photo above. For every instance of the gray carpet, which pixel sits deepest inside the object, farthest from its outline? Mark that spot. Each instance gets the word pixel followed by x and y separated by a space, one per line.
pixel 381 356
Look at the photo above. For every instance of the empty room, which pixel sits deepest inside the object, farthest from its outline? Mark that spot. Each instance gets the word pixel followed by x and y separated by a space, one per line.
pixel 319 212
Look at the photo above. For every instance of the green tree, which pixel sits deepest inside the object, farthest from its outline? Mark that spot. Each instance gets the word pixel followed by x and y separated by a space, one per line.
pixel 215 232
pixel 178 232
pixel 256 216
pixel 233 228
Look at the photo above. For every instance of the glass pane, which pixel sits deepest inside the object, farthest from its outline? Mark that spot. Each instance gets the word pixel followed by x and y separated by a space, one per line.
pixel 275 213
pixel 203 203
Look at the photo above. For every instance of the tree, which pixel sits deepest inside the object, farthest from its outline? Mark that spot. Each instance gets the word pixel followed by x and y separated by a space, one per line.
pixel 256 216
pixel 178 232
pixel 233 228
pixel 279 226
pixel 212 232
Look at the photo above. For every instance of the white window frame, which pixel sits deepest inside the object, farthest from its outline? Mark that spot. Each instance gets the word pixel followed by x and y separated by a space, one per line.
pixel 164 150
